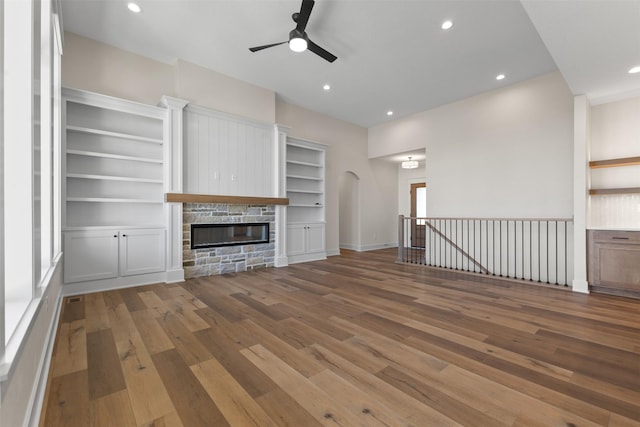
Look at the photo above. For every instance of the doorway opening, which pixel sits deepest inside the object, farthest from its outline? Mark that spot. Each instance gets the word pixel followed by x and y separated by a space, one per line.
pixel 418 210
pixel 349 211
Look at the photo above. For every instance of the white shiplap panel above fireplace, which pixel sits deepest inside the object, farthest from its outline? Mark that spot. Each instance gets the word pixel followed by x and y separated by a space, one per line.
pixel 228 155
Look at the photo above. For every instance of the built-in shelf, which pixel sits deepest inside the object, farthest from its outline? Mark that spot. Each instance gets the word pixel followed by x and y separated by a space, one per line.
pixel 603 191
pixel 310 178
pixel 114 156
pixel 213 198
pixel 290 190
pixel 113 178
pixel 612 163
pixel 112 226
pixel 110 200
pixel 295 162
pixel 113 134
pixel 626 161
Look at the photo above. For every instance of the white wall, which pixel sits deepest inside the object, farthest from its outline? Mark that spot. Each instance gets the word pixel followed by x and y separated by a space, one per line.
pixel 615 133
pixel 505 153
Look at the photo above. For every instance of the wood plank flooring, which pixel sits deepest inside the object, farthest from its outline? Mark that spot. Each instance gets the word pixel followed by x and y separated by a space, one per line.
pixel 352 341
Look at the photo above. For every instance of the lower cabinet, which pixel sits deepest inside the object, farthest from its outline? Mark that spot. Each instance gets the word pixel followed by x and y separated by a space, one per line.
pixel 614 262
pixel 305 242
pixel 107 254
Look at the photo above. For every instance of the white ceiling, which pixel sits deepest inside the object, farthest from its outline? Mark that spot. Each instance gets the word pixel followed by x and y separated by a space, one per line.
pixel 392 54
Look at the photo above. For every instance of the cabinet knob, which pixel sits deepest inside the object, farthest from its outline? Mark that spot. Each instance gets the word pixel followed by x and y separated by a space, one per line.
pixel 124 235
pixel 115 235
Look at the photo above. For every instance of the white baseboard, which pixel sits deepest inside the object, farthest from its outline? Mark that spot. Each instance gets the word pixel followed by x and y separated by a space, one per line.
pixel 111 284
pixel 281 261
pixel 45 365
pixel 294 259
pixel 581 286
pixel 368 247
pixel 176 275
pixel 333 252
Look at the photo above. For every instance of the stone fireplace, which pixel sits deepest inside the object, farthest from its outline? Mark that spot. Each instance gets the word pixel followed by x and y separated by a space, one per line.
pixel 232 258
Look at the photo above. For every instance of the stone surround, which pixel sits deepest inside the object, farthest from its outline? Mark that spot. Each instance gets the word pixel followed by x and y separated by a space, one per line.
pixel 226 259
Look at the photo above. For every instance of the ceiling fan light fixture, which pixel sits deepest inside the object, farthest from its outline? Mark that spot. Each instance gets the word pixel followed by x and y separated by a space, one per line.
pixel 298 44
pixel 410 164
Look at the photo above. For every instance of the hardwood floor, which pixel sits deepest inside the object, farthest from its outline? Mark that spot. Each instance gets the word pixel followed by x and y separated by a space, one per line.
pixel 352 341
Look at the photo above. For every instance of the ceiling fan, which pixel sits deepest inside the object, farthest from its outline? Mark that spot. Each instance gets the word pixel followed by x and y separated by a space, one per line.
pixel 298 39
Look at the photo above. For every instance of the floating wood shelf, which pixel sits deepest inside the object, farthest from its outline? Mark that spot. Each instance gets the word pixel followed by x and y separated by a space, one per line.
pixel 627 161
pixel 601 191
pixel 236 200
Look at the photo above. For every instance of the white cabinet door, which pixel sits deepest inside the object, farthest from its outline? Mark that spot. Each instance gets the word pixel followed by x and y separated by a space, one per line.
pixel 90 255
pixel 296 239
pixel 315 238
pixel 142 251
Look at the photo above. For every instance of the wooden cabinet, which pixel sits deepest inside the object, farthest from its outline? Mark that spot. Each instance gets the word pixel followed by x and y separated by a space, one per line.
pixel 305 242
pixel 107 254
pixel 305 175
pixel 614 262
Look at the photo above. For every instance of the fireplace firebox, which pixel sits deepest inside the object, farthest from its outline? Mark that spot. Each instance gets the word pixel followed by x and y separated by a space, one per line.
pixel 217 235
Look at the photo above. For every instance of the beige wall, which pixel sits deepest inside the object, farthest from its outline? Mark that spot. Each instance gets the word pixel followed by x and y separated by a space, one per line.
pixel 505 153
pixel 208 88
pixel 97 67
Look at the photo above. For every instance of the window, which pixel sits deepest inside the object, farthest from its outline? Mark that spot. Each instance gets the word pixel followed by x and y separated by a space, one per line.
pixel 30 169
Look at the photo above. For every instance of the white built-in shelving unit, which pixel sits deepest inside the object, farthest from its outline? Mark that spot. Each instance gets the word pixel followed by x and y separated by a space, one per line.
pixel 305 185
pixel 114 220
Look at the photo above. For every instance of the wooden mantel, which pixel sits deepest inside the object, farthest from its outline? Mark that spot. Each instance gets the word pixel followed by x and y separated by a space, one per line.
pixel 235 200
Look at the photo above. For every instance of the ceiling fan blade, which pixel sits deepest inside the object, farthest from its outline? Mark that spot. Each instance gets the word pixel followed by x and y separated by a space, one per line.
pixel 305 12
pixel 321 52
pixel 257 48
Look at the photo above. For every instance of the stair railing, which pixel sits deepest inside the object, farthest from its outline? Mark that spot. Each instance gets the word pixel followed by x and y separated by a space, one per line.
pixel 534 249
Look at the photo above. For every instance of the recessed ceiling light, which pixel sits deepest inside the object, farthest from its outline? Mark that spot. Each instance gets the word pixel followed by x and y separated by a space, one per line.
pixel 133 7
pixel 500 76
pixel 446 25
pixel 635 70
pixel 327 86
pixel 389 113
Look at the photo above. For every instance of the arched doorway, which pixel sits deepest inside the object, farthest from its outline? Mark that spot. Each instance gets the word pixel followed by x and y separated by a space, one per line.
pixel 349 211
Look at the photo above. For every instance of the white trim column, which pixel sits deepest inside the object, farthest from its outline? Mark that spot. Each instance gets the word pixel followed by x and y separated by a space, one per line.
pixel 280 190
pixel 173 183
pixel 581 142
